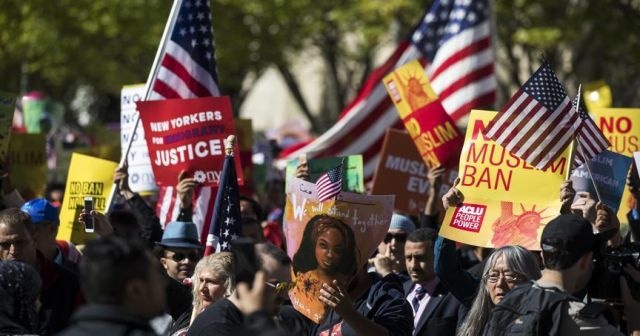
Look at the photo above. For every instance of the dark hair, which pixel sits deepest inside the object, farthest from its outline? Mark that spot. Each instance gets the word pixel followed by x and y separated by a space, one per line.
pixel 108 264
pixel 124 223
pixel 423 235
pixel 270 250
pixel 304 260
pixel 257 209
pixel 558 258
pixel 14 216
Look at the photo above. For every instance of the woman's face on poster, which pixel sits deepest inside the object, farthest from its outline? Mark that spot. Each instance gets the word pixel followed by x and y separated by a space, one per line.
pixel 329 249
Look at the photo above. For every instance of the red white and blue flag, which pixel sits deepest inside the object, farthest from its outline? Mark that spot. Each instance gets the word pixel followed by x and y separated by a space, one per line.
pixel 226 222
pixel 454 40
pixel 329 184
pixel 186 69
pixel 538 122
pixel 591 141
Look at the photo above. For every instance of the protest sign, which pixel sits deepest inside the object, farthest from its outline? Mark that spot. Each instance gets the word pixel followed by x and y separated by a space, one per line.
pixel 433 131
pixel 402 172
pixel 7 107
pixel 141 177
pixel 88 176
pixel 355 226
pixel 621 126
pixel 352 180
pixel 188 134
pixel 28 162
pixel 609 172
pixel 506 200
pixel 636 157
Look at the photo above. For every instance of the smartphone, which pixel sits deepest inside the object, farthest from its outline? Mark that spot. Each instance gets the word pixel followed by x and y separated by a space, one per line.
pixel 244 254
pixel 89 223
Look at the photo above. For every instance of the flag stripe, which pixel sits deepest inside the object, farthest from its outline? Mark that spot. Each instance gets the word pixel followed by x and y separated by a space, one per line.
pixel 197 89
pixel 471 57
pixel 502 121
pixel 166 91
pixel 479 93
pixel 536 139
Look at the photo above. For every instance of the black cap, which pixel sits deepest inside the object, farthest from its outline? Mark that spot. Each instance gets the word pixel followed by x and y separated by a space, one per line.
pixel 573 235
pixel 568 234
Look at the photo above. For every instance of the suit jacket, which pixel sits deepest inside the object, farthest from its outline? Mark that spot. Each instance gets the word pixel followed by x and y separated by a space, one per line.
pixel 442 315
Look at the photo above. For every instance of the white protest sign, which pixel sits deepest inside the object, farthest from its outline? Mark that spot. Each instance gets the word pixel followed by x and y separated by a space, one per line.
pixel 140 172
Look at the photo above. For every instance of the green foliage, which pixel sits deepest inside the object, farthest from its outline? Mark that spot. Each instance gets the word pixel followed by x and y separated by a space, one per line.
pixel 61 44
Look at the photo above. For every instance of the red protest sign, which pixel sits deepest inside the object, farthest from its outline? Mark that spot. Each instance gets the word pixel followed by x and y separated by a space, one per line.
pixel 434 133
pixel 188 134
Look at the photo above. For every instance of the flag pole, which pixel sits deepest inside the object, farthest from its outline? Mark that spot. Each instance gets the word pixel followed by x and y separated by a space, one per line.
pixel 586 162
pixel 147 89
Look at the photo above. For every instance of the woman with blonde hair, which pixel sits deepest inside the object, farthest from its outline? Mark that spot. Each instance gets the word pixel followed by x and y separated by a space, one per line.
pixel 212 281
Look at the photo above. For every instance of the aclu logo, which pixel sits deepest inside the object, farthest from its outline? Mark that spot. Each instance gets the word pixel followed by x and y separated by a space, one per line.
pixel 468 217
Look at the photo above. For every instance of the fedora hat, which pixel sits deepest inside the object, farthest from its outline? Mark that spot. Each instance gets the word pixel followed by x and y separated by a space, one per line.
pixel 180 235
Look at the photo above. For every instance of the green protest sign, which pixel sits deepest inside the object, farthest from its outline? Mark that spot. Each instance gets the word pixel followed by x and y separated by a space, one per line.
pixel 353 171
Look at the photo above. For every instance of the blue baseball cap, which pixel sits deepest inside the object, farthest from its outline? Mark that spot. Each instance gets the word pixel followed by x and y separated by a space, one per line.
pixel 40 210
pixel 180 235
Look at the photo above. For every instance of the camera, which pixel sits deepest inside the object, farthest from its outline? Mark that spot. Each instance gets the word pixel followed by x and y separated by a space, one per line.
pixel 609 264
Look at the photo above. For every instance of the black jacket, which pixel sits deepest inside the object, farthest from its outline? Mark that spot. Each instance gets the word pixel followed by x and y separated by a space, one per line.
pixel 99 320
pixel 152 229
pixel 442 315
pixel 60 296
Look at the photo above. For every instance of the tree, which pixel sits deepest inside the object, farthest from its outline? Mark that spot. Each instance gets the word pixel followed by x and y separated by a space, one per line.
pixel 60 46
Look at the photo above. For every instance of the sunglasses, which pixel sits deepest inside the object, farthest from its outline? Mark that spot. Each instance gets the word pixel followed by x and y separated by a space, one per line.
pixel 281 286
pixel 178 257
pixel 399 237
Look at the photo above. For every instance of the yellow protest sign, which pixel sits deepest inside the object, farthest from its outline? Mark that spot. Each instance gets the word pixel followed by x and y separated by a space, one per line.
pixel 28 164
pixel 506 200
pixel 88 176
pixel 621 126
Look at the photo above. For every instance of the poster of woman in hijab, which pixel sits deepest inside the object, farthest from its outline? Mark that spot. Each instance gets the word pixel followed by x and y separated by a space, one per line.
pixel 330 240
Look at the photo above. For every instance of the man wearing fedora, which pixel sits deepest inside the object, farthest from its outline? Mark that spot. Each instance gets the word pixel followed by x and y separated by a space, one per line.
pixel 180 250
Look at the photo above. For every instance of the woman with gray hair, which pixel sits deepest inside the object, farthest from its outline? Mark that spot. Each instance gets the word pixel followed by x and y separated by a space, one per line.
pixel 505 268
pixel 212 281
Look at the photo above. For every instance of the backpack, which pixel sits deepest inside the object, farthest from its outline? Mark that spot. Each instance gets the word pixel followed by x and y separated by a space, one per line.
pixel 528 309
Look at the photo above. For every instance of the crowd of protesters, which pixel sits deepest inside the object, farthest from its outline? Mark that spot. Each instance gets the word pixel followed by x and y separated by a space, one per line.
pixel 137 278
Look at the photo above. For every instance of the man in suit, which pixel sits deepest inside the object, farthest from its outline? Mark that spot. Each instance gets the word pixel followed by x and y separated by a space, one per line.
pixel 435 310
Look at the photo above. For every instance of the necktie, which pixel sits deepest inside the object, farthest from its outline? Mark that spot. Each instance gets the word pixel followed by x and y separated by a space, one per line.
pixel 420 292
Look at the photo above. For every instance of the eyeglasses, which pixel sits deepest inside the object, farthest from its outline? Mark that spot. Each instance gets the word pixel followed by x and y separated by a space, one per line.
pixel 178 257
pixel 399 237
pixel 510 278
pixel 281 286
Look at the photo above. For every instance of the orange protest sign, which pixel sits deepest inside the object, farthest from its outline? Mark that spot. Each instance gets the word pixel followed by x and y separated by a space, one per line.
pixel 352 224
pixel 433 131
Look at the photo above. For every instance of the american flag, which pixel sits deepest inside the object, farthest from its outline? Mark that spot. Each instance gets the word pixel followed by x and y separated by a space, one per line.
pixel 186 69
pixel 226 222
pixel 538 122
pixel 591 141
pixel 329 184
pixel 454 41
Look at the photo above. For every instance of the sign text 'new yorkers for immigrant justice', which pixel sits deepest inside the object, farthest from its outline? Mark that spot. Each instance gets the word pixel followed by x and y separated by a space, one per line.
pixel 506 200
pixel 188 134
